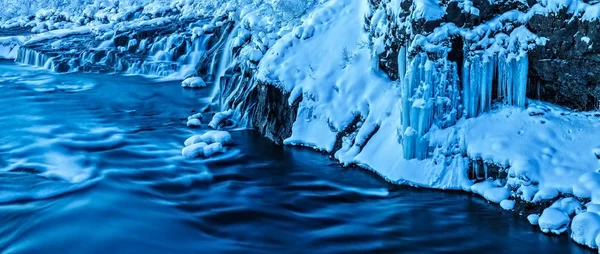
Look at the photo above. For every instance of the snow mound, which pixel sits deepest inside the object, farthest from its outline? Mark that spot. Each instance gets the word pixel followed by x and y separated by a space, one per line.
pixel 206 145
pixel 222 137
pixel 193 150
pixel 553 221
pixel 193 82
pixel 194 123
pixel 491 191
pixel 585 228
pixel 219 119
pixel 507 204
pixel 533 219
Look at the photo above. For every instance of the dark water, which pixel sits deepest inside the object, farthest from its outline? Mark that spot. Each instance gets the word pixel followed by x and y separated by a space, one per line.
pixel 91 164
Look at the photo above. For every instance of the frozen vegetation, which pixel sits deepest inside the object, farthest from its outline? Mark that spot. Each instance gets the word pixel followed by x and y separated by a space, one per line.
pixel 442 124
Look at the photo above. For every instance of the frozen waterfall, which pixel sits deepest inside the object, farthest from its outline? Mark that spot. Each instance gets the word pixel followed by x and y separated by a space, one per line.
pixel 431 94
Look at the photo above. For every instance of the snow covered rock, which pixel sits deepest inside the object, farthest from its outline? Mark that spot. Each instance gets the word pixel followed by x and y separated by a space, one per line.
pixel 193 82
pixel 222 137
pixel 194 120
pixel 196 116
pixel 219 119
pixel 194 123
pixel 212 149
pixel 569 206
pixel 533 219
pixel 585 228
pixel 491 191
pixel 507 204
pixel 553 221
pixel 193 150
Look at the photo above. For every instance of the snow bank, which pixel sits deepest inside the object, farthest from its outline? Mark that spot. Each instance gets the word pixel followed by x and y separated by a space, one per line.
pixel 9 46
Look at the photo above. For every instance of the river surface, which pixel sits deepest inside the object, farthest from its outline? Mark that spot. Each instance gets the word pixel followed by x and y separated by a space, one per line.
pixel 92 163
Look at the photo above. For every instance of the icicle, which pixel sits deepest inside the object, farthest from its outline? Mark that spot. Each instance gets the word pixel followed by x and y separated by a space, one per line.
pixel 429 96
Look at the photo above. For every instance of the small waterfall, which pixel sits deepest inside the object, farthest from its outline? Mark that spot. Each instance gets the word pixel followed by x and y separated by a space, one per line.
pixel 32 57
pixel 226 60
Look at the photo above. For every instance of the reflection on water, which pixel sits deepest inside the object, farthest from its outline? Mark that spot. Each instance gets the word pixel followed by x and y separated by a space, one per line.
pixel 91 164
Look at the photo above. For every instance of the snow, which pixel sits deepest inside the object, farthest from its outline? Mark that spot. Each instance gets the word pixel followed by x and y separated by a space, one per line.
pixel 193 150
pixel 9 46
pixel 533 219
pixel 212 149
pixel 553 221
pixel 491 191
pixel 210 137
pixel 585 228
pixel 219 119
pixel 507 204
pixel 207 144
pixel 194 123
pixel 193 82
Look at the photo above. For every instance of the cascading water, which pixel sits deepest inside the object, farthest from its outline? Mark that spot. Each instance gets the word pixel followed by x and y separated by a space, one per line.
pixel 32 57
pixel 174 56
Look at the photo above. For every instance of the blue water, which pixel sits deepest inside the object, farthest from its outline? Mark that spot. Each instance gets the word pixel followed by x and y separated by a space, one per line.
pixel 91 164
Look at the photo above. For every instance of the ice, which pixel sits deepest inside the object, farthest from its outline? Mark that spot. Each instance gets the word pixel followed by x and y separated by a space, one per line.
pixel 507 204
pixel 193 150
pixel 585 228
pixel 553 221
pixel 193 82
pixel 429 97
pixel 533 219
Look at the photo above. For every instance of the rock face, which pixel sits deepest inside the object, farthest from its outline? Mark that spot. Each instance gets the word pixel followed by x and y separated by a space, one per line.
pixel 567 69
pixel 564 71
pixel 273 116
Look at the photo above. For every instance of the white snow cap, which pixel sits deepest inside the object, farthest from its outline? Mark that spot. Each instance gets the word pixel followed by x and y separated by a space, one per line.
pixel 193 82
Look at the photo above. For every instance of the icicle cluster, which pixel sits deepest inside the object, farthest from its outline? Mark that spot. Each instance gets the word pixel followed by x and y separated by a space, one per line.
pixel 429 96
pixel 479 75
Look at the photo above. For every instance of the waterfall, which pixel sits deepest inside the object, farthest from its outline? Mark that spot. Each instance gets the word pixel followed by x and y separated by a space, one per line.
pixel 32 57
pixel 225 62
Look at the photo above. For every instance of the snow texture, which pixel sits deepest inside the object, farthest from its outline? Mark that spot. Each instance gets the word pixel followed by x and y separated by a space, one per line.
pixel 193 82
